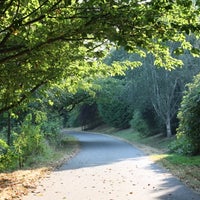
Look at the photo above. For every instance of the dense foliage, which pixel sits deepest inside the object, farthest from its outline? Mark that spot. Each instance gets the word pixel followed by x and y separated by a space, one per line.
pixel 154 92
pixel 112 106
pixel 27 134
pixel 27 142
pixel 88 116
pixel 139 124
pixel 189 115
pixel 44 42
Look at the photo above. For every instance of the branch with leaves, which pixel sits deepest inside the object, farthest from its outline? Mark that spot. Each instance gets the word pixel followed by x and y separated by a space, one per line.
pixel 48 36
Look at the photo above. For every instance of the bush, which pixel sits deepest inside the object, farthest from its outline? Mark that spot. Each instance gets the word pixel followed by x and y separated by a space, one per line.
pixel 189 116
pixel 51 129
pixel 139 124
pixel 31 138
pixel 7 156
pixel 181 145
pixel 29 142
pixel 112 103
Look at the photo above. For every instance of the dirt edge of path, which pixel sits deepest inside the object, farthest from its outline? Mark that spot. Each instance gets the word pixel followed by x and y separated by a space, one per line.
pixel 14 185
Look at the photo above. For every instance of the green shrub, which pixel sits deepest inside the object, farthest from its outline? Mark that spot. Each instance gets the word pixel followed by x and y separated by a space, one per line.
pixel 8 160
pixel 189 116
pixel 3 146
pixel 7 156
pixel 139 124
pixel 181 145
pixel 29 141
pixel 51 129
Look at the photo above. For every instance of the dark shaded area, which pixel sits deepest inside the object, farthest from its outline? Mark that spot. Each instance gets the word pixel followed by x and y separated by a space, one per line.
pixel 173 188
pixel 4 182
pixel 89 117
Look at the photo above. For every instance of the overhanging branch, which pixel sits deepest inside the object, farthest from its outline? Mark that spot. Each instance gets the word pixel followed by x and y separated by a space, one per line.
pixel 49 41
pixel 23 97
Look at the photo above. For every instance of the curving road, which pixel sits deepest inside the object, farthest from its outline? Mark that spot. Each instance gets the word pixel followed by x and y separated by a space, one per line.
pixel 110 169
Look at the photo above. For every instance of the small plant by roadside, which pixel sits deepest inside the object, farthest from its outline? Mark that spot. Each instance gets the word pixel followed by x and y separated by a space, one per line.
pixel 139 124
pixel 181 145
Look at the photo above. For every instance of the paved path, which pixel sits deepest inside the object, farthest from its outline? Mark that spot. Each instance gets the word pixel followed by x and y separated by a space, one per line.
pixel 110 169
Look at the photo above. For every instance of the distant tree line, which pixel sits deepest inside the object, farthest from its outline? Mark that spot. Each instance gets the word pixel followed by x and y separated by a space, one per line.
pixel 148 98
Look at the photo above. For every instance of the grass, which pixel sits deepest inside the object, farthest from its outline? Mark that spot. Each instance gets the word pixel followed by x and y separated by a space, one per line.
pixel 54 156
pixel 186 168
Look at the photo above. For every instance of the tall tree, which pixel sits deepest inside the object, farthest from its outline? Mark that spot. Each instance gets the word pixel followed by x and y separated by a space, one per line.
pixel 165 95
pixel 149 88
pixel 168 86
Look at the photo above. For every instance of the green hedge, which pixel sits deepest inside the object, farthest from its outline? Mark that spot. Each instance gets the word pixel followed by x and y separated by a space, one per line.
pixel 189 118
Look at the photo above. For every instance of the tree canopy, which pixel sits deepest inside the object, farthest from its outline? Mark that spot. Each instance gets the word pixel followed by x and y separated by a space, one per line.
pixel 151 94
pixel 43 42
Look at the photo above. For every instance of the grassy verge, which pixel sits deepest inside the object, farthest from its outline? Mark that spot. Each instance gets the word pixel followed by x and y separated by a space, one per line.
pixel 56 155
pixel 187 169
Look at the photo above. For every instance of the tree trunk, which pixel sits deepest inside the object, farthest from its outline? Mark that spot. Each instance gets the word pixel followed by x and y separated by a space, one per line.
pixel 168 126
pixel 8 129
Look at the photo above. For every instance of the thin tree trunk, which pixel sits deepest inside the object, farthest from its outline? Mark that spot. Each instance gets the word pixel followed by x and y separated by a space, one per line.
pixel 168 126
pixel 9 129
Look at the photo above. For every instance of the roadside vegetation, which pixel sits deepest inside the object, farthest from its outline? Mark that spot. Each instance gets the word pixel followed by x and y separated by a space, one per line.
pixel 36 146
pixel 15 182
pixel 31 137
pixel 31 145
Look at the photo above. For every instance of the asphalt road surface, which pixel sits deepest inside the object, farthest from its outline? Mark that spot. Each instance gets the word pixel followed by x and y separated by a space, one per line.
pixel 110 169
